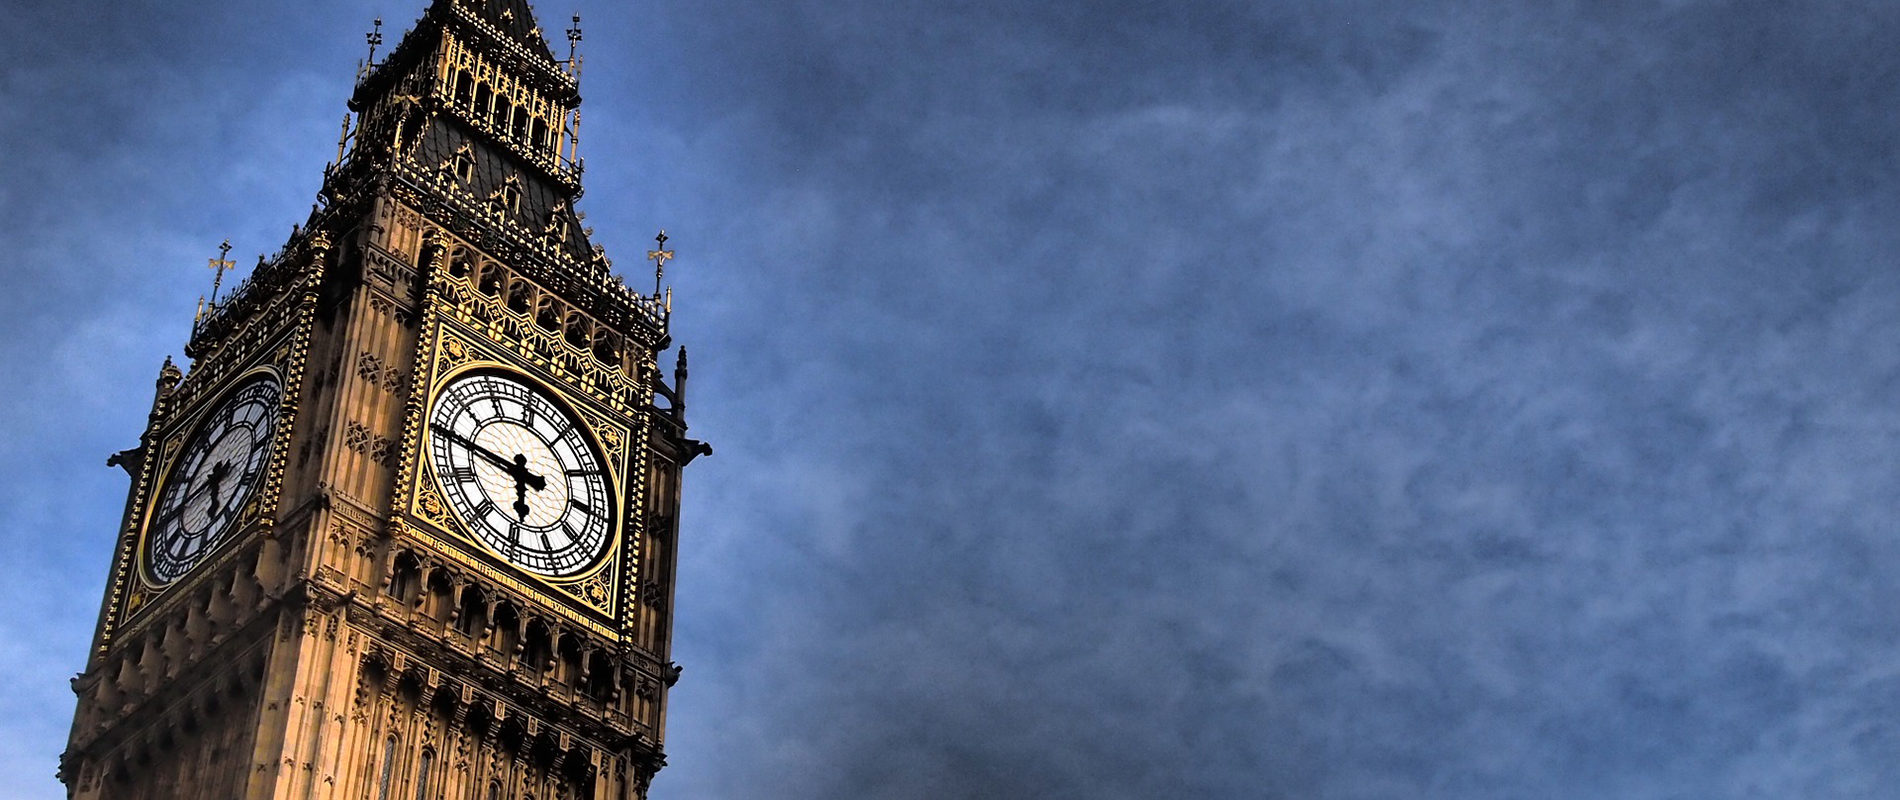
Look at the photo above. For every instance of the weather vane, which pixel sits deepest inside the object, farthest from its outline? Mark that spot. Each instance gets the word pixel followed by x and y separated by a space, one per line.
pixel 659 258
pixel 574 46
pixel 375 40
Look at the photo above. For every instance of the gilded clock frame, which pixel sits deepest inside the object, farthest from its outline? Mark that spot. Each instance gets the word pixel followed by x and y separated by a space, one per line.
pixel 595 595
pixel 255 507
pixel 182 413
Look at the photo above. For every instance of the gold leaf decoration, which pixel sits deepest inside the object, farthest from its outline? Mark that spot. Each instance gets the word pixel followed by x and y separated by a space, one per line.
pixel 596 590
pixel 454 354
pixel 430 503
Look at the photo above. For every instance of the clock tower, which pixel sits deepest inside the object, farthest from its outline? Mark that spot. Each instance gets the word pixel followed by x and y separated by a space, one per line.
pixel 406 527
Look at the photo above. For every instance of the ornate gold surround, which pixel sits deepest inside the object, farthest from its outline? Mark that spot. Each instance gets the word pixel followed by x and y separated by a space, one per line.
pixel 466 330
pixel 262 505
pixel 282 356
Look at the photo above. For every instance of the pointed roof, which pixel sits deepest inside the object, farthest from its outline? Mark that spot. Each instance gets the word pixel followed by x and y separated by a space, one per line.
pixel 515 18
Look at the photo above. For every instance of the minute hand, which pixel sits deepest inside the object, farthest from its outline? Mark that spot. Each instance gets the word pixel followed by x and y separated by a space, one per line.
pixel 514 470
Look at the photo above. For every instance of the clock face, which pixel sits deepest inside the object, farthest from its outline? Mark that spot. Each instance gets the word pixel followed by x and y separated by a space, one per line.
pixel 222 467
pixel 521 471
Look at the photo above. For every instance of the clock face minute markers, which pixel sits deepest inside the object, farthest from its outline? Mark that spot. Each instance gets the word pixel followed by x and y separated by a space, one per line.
pixel 517 470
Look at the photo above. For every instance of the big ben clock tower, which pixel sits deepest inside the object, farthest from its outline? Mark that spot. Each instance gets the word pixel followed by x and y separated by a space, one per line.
pixel 406 528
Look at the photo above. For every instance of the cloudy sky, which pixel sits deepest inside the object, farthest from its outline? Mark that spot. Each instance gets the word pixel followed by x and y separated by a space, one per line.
pixel 1358 399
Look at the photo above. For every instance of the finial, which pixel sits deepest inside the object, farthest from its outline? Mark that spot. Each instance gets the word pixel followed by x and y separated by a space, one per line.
pixel 220 264
pixel 343 139
pixel 659 258
pixel 169 375
pixel 574 42
pixel 375 38
pixel 574 141
pixel 679 384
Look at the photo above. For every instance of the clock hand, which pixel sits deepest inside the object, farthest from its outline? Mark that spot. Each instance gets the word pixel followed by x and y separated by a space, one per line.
pixel 216 479
pixel 524 480
pixel 185 502
pixel 516 469
pixel 477 449
pixel 521 474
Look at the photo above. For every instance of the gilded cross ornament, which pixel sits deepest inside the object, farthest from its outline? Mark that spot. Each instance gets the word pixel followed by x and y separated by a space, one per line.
pixel 218 265
pixel 659 258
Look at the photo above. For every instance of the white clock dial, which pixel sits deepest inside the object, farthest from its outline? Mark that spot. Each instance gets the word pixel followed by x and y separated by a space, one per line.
pixel 222 467
pixel 522 472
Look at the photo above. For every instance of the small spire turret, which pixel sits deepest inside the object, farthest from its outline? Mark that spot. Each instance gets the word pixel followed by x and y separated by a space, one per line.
pixel 168 377
pixel 343 139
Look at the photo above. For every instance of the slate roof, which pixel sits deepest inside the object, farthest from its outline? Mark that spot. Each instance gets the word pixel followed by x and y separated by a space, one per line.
pixel 540 199
pixel 515 18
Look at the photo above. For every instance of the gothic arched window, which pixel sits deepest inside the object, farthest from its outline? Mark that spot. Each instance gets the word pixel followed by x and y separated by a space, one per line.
pixel 422 774
pixel 389 768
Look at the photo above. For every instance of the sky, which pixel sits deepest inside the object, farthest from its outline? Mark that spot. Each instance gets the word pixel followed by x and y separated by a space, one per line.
pixel 1313 400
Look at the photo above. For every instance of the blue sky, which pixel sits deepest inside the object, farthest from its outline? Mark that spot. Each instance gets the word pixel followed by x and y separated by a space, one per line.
pixel 1357 399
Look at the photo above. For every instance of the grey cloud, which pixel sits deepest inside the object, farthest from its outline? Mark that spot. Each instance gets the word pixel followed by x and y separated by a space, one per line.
pixel 1358 400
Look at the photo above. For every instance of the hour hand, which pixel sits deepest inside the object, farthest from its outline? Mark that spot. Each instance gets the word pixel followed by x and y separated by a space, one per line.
pixel 522 476
pixel 216 483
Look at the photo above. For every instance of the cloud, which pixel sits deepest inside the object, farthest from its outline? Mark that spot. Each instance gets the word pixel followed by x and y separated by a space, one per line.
pixel 1449 400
